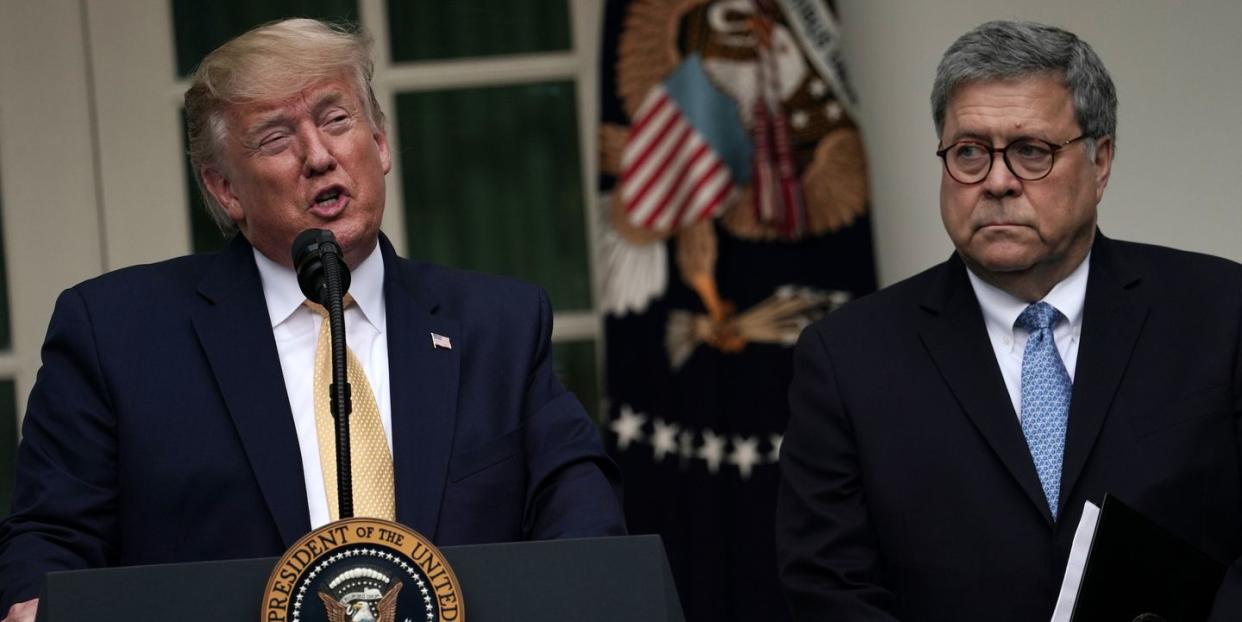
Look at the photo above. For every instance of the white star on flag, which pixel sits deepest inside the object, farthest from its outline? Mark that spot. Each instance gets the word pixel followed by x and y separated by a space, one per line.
pixel 628 427
pixel 664 441
pixel 685 441
pixel 745 454
pixel 712 450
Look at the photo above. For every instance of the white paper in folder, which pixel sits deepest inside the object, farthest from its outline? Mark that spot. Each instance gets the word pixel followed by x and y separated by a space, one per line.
pixel 1077 562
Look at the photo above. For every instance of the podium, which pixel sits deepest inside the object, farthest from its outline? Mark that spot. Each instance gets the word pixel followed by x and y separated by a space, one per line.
pixel 617 579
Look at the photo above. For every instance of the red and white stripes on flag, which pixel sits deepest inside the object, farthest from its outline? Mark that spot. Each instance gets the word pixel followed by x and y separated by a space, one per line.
pixel 775 188
pixel 671 177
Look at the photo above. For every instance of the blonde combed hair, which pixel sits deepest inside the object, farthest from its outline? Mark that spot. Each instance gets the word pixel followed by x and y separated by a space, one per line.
pixel 271 62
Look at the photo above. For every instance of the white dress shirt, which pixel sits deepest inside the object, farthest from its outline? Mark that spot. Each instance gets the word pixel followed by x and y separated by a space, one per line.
pixel 1001 309
pixel 296 329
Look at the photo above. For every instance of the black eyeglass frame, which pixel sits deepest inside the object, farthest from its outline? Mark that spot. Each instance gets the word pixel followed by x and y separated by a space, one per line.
pixel 1004 151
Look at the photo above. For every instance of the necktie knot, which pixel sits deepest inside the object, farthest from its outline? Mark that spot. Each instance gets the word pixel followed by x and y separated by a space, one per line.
pixel 323 312
pixel 1039 316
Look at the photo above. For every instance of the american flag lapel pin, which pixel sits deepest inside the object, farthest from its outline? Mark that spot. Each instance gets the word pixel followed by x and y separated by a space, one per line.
pixel 440 341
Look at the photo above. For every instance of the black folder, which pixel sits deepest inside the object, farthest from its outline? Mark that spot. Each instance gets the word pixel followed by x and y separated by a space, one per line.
pixel 1136 570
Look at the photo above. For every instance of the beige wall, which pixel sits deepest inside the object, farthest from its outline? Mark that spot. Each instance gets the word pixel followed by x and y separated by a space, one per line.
pixel 1178 70
pixel 47 164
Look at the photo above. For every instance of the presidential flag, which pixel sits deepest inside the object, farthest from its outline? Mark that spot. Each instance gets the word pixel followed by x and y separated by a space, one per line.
pixel 735 188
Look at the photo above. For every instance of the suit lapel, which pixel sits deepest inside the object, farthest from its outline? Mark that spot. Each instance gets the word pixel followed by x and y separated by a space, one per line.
pixel 423 388
pixel 1113 316
pixel 235 333
pixel 953 331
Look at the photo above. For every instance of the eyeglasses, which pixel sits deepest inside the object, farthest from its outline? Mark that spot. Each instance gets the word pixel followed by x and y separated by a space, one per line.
pixel 1029 159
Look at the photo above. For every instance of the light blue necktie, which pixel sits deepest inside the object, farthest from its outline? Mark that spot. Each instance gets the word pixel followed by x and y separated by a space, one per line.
pixel 1046 390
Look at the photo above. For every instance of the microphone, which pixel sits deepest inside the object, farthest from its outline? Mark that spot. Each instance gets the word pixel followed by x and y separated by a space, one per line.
pixel 324 278
pixel 313 251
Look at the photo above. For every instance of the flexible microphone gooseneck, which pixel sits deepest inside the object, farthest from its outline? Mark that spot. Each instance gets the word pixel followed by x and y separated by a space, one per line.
pixel 324 278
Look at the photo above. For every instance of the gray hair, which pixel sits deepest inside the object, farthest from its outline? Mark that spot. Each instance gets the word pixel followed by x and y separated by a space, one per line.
pixel 1008 50
pixel 271 62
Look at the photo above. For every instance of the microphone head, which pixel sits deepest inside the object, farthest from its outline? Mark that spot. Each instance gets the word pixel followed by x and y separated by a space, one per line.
pixel 310 250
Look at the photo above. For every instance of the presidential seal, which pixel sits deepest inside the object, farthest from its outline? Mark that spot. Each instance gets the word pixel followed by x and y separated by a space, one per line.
pixel 363 570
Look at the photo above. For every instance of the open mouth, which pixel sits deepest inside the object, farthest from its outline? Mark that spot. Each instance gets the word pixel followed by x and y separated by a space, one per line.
pixel 329 200
pixel 327 197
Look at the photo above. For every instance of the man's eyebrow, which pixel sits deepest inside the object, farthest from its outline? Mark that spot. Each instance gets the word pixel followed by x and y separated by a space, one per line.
pixel 265 123
pixel 987 138
pixel 330 98
pixel 278 118
pixel 968 135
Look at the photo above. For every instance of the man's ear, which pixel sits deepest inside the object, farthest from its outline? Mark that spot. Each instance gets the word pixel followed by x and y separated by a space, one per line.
pixel 218 185
pixel 1103 164
pixel 381 140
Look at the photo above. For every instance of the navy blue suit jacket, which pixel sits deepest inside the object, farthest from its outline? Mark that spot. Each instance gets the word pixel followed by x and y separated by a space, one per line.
pixel 908 489
pixel 159 429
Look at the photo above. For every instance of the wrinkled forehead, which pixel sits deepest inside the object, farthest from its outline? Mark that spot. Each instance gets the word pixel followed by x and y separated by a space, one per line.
pixel 307 98
pixel 1041 98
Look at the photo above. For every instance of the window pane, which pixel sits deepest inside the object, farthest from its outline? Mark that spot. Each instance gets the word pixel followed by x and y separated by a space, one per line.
pixel 492 183
pixel 8 442
pixel 201 27
pixel 575 366
pixel 435 29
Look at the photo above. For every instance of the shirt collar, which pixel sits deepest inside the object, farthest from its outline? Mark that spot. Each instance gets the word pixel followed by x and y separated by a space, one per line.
pixel 284 296
pixel 1069 295
pixel 1001 309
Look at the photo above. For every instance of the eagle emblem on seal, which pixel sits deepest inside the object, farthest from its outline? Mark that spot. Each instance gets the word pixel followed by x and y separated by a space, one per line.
pixel 355 596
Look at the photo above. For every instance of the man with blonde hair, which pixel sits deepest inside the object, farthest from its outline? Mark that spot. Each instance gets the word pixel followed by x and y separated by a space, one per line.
pixel 176 418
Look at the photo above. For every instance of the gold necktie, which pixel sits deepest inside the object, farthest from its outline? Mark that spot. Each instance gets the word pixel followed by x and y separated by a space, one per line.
pixel 370 460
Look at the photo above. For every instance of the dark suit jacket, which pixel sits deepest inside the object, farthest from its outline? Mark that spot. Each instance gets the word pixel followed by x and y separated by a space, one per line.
pixel 159 429
pixel 908 490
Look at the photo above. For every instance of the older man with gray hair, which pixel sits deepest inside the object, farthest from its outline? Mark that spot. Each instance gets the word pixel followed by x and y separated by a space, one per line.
pixel 181 410
pixel 947 431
